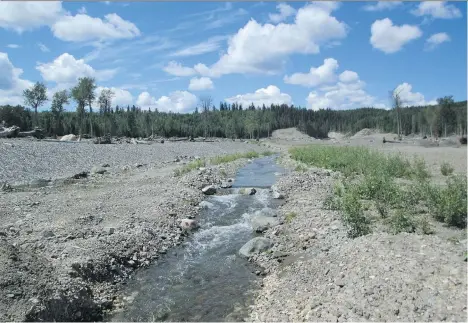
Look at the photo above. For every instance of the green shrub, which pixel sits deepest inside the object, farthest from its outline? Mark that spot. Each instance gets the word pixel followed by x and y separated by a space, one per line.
pixel 419 169
pixel 332 202
pixel 353 216
pixel 446 169
pixel 402 222
pixel 424 226
pixel 301 168
pixel 448 204
pixel 290 216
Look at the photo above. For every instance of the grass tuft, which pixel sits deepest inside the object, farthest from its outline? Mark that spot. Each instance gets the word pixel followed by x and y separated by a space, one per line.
pixel 446 169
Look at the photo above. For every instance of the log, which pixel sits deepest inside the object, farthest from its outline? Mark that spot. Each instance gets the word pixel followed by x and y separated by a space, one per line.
pixel 11 132
pixel 37 133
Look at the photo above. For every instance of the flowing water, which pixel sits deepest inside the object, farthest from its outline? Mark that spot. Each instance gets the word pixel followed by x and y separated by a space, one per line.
pixel 204 279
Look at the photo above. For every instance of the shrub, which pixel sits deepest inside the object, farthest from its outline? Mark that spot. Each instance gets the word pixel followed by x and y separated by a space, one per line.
pixel 446 169
pixel 301 168
pixel 353 216
pixel 419 169
pixel 448 204
pixel 332 202
pixel 402 222
pixel 290 216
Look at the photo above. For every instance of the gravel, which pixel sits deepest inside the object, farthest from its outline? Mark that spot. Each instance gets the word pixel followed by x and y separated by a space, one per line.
pixel 66 248
pixel 317 273
pixel 25 160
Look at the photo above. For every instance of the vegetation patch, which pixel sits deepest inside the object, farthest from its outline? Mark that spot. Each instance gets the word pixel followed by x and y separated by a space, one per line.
pixel 290 216
pixel 446 169
pixel 370 176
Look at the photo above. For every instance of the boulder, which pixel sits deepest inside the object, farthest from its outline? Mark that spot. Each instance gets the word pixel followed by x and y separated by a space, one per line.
pixel 209 190
pixel 277 195
pixel 98 170
pixel 247 191
pixel 189 224
pixel 70 137
pixel 261 223
pixel 226 184
pixel 255 246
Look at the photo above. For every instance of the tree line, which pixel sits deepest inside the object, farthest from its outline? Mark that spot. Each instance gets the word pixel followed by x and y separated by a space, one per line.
pixel 226 120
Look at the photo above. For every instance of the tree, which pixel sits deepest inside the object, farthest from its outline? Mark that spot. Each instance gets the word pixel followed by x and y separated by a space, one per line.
pixel 59 99
pixel 105 101
pixel 78 94
pixel 397 104
pixel 447 116
pixel 205 103
pixel 35 97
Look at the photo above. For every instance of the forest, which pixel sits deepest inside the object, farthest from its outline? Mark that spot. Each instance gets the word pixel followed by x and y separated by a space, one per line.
pixel 226 120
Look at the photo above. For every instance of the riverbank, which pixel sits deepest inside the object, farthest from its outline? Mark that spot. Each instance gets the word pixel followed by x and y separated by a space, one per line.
pixel 318 273
pixel 66 248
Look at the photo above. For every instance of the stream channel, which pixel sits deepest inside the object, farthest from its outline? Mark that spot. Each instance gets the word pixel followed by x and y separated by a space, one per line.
pixel 205 279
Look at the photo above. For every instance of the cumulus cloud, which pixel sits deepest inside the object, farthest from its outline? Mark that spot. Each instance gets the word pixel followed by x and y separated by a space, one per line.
pixel 11 85
pixel 436 39
pixel 65 70
pixel 177 101
pixel 409 98
pixel 22 16
pixel 285 11
pixel 390 38
pixel 200 84
pixel 437 9
pixel 85 28
pixel 269 95
pixel 382 5
pixel 258 48
pixel 177 69
pixel 348 93
pixel 316 75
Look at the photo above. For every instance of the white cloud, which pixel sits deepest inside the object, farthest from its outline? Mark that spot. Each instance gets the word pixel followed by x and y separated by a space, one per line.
pixel 258 48
pixel 82 10
pixel 85 28
pixel 22 16
pixel 177 69
pixel 177 101
pixel 43 48
pixel 208 46
pixel 349 76
pixel 269 95
pixel 121 97
pixel 348 93
pixel 316 76
pixel 285 11
pixel 436 39
pixel 200 84
pixel 409 98
pixel 65 69
pixel 382 5
pixel 390 38
pixel 11 85
pixel 13 46
pixel 437 9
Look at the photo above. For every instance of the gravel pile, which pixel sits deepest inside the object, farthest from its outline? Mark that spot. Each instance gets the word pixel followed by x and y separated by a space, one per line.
pixel 317 273
pixel 25 160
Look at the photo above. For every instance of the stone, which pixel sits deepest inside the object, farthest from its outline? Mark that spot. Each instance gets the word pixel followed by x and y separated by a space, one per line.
pixel 98 170
pixel 110 230
pixel 209 190
pixel 226 184
pixel 70 137
pixel 105 165
pixel 189 224
pixel 48 234
pixel 248 191
pixel 277 195
pixel 261 223
pixel 255 246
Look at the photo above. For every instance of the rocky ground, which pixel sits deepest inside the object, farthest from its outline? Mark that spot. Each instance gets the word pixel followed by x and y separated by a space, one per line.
pixel 66 247
pixel 316 273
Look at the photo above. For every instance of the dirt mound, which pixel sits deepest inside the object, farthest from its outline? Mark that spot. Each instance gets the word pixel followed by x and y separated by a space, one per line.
pixel 290 134
pixel 364 132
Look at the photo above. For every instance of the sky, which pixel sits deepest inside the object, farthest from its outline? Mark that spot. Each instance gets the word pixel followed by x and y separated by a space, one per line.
pixel 168 55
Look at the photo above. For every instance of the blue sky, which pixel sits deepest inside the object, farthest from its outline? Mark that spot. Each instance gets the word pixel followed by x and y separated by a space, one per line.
pixel 167 55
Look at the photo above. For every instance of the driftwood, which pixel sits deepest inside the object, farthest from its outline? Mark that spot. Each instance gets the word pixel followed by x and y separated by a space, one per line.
pixel 11 132
pixel 14 132
pixel 463 140
pixel 105 140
